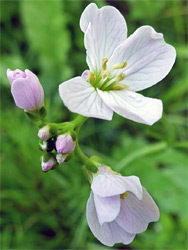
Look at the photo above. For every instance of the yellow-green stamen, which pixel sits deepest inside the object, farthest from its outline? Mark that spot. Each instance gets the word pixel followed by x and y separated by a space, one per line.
pixel 120 87
pixel 120 77
pixel 92 77
pixel 120 65
pixel 123 196
pixel 105 74
pixel 104 61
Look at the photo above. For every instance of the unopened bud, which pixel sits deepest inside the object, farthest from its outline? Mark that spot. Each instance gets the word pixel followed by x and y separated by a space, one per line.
pixel 61 158
pixel 64 144
pixel 43 146
pixel 46 132
pixel 26 89
pixel 47 145
pixel 48 162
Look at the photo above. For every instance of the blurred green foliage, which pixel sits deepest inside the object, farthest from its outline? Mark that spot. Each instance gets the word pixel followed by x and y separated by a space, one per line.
pixel 47 211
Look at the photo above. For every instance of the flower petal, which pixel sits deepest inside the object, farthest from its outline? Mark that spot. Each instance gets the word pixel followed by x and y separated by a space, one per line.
pixel 133 106
pixel 80 97
pixel 109 233
pixel 107 207
pixel 135 214
pixel 110 185
pixel 104 29
pixel 149 58
pixel 88 16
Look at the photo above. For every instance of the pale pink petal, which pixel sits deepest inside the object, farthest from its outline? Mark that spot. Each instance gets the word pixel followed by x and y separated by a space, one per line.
pixel 109 233
pixel 133 106
pixel 37 88
pixel 107 207
pixel 80 97
pixel 104 29
pixel 135 214
pixel 149 58
pixel 110 185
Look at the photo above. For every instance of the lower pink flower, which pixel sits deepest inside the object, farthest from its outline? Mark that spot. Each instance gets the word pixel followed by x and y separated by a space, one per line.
pixel 119 207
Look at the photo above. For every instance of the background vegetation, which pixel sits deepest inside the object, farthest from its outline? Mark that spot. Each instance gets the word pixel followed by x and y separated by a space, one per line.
pixel 47 211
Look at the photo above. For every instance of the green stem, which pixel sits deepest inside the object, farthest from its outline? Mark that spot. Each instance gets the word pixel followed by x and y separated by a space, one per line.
pixel 90 165
pixel 79 121
pixel 80 153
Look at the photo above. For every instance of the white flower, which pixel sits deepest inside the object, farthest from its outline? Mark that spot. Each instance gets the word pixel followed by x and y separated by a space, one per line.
pixel 119 208
pixel 118 66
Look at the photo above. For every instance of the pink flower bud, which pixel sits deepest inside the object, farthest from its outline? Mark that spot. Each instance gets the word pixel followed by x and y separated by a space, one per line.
pixel 26 89
pixel 61 158
pixel 49 164
pixel 64 144
pixel 44 133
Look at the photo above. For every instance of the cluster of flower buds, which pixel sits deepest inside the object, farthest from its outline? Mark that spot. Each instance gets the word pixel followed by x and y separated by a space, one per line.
pixel 58 147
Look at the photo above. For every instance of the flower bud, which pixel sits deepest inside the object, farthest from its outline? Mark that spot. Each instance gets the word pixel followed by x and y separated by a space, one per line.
pixel 47 145
pixel 48 162
pixel 61 158
pixel 64 144
pixel 64 157
pixel 26 89
pixel 44 133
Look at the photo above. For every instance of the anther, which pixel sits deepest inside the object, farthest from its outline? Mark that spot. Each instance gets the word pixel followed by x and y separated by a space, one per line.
pixel 123 196
pixel 120 65
pixel 91 77
pixel 104 61
pixel 120 77
pixel 105 74
pixel 120 87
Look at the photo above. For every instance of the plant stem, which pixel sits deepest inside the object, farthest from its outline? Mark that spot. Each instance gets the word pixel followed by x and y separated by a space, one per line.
pixel 80 153
pixel 90 165
pixel 79 121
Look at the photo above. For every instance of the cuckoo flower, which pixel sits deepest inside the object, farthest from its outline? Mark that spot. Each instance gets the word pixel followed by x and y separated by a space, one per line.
pixel 26 89
pixel 118 67
pixel 118 207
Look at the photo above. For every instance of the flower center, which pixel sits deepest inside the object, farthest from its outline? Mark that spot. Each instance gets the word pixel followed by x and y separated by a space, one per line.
pixel 108 80
pixel 123 196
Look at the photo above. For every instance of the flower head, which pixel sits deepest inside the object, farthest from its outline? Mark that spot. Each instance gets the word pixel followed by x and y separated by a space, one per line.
pixel 118 207
pixel 118 67
pixel 26 89
pixel 65 144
